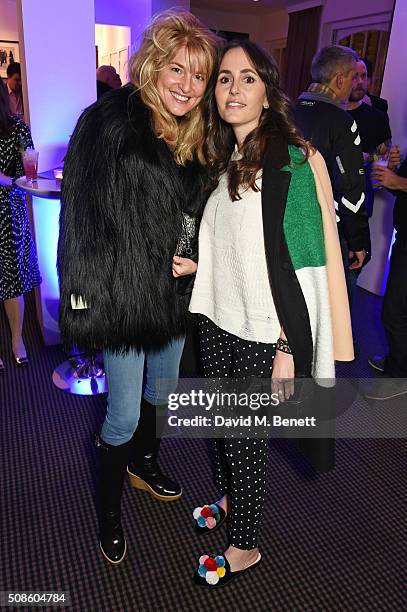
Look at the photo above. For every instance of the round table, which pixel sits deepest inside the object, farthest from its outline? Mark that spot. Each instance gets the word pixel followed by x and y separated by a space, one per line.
pixel 41 187
pixel 81 374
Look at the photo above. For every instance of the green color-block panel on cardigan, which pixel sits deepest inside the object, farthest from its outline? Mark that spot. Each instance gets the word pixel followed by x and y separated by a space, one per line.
pixel 303 227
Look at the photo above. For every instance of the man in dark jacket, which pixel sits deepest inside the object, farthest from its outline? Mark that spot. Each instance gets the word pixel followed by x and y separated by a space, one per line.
pixel 394 314
pixel 322 119
pixel 373 124
pixel 374 130
pixel 380 103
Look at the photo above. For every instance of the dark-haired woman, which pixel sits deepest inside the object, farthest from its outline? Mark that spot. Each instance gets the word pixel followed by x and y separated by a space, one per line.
pixel 269 262
pixel 19 272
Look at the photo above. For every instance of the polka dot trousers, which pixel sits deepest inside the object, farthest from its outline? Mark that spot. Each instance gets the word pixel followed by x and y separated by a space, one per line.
pixel 240 463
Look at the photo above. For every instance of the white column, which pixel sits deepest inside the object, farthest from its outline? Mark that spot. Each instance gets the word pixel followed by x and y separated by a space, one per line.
pixel 57 41
pixel 394 89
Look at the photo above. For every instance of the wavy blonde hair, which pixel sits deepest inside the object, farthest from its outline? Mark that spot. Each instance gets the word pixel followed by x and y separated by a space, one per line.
pixel 166 34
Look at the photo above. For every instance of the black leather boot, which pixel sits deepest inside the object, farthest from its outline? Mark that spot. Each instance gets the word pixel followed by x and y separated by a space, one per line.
pixel 143 468
pixel 112 461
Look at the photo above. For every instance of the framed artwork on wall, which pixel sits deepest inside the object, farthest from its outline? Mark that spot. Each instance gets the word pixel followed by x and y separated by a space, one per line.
pixel 9 53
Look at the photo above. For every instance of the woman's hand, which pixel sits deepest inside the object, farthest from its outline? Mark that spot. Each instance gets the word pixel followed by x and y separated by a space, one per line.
pixel 282 377
pixel 182 266
pixel 5 181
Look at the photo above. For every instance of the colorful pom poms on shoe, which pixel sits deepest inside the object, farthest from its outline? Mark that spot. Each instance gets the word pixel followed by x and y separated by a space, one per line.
pixel 212 568
pixel 197 513
pixel 212 577
pixel 207 516
pixel 211 564
pixel 202 571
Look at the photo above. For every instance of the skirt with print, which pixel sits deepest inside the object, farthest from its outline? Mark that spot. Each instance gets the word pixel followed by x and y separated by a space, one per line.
pixel 19 270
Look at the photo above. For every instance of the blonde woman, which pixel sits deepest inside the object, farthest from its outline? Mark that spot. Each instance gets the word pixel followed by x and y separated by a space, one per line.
pixel 133 183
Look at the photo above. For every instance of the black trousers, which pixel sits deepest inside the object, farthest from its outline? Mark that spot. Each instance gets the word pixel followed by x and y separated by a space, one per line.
pixel 351 276
pixel 240 463
pixel 394 315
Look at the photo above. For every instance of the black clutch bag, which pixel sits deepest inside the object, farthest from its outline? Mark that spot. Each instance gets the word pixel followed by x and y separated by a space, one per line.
pixel 187 247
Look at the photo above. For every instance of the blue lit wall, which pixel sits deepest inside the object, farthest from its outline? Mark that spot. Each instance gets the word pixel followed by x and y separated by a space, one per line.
pixel 394 89
pixel 59 83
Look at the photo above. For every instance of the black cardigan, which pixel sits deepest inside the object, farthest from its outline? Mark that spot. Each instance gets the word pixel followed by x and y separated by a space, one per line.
pixel 286 290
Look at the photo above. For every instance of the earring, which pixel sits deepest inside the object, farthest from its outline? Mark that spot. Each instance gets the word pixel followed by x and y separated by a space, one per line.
pixel 266 105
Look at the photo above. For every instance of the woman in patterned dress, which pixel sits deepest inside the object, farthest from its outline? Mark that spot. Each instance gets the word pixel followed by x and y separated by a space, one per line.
pixel 19 270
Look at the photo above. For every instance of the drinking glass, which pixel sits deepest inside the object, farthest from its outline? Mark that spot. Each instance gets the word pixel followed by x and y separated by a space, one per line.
pixel 30 163
pixel 382 161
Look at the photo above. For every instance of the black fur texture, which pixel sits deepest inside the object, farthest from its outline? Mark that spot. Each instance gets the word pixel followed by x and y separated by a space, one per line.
pixel 122 196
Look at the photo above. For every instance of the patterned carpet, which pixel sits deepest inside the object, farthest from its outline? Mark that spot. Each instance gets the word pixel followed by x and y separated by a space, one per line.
pixel 329 542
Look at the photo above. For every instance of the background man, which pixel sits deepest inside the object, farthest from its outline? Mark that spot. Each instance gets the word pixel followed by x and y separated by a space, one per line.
pixel 380 103
pixel 373 124
pixel 322 119
pixel 14 89
pixel 106 80
pixel 374 129
pixel 394 315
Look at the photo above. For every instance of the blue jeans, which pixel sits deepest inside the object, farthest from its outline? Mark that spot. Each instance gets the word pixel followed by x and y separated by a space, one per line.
pixel 124 373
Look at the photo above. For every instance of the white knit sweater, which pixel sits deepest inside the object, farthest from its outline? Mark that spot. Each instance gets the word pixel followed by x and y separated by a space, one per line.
pixel 232 286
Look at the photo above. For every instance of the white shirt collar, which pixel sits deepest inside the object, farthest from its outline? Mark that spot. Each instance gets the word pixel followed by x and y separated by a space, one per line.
pixel 236 154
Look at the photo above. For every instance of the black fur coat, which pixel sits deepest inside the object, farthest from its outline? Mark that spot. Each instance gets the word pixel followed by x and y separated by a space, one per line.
pixel 122 197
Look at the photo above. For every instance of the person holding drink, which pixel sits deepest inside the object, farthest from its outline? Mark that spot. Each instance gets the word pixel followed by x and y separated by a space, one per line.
pixel 374 130
pixel 394 313
pixel 19 272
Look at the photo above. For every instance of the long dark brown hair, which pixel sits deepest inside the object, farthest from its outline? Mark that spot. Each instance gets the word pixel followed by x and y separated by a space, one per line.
pixel 276 120
pixel 5 116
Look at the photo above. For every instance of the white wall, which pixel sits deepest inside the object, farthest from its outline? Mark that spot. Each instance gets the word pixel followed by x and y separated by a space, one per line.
pixel 114 40
pixel 55 98
pixel 346 9
pixel 8 20
pixel 338 14
pixel 134 14
pixel 394 89
pixel 163 5
pixel 234 22
pixel 261 28
pixel 394 86
pixel 273 26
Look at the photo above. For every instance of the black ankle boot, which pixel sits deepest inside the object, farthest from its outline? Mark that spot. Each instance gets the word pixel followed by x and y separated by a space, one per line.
pixel 113 461
pixel 143 468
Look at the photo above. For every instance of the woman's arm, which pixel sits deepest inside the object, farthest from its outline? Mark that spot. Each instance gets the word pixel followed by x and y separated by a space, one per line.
pixel 283 370
pixel 5 181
